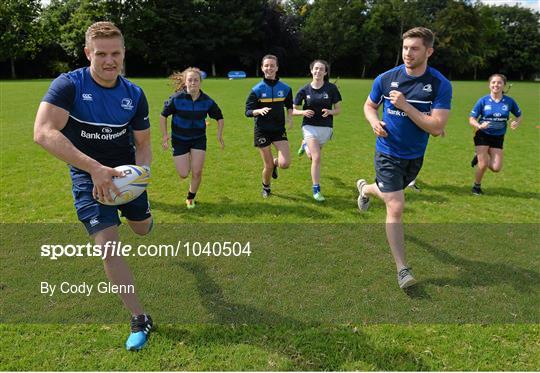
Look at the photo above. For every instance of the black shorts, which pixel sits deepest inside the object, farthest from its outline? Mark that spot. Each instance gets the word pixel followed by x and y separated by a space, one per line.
pixel 263 138
pixel 483 139
pixel 95 216
pixel 393 173
pixel 181 147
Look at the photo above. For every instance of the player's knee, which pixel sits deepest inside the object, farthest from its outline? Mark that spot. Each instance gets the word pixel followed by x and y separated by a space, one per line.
pixel 196 174
pixel 143 228
pixel 395 208
pixel 183 174
pixel 316 158
pixel 284 164
pixel 496 168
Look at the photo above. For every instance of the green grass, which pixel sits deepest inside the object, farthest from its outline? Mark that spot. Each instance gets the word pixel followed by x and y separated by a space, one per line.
pixel 320 296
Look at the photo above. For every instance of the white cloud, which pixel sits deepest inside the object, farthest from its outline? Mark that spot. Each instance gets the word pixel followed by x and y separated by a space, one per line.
pixel 532 4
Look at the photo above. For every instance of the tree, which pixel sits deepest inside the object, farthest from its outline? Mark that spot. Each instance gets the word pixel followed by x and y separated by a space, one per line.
pixel 520 45
pixel 458 28
pixel 19 30
pixel 333 28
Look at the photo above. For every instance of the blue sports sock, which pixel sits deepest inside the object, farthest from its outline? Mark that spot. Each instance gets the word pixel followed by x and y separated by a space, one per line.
pixel 316 188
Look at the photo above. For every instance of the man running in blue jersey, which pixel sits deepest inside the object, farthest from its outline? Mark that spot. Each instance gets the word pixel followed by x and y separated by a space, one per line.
pixel 94 119
pixel 416 103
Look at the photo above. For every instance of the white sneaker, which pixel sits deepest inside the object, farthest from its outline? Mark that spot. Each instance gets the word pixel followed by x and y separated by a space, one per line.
pixel 363 201
pixel 405 278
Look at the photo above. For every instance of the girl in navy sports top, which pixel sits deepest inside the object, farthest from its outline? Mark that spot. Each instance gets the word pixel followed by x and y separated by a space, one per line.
pixel 189 107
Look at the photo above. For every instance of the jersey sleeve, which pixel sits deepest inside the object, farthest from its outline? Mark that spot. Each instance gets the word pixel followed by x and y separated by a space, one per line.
pixel 336 95
pixel 443 99
pixel 168 107
pixel 300 97
pixel 289 100
pixel 215 112
pixel 376 94
pixel 477 110
pixel 141 119
pixel 251 104
pixel 515 109
pixel 61 93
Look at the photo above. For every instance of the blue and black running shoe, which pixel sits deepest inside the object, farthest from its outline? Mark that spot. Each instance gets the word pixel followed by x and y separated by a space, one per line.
pixel 140 328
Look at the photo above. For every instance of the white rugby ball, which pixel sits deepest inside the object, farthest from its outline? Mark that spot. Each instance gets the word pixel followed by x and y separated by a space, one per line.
pixel 131 186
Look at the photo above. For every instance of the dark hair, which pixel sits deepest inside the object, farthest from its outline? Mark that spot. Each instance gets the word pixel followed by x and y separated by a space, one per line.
pixel 326 67
pixel 270 57
pixel 423 33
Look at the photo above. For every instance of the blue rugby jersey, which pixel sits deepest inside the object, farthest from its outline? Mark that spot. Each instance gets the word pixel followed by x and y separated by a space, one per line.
pixel 101 120
pixel 496 113
pixel 316 100
pixel 427 92
pixel 188 122
pixel 273 94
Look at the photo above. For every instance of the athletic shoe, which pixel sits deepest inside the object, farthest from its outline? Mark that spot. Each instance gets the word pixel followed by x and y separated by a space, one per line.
pixel 476 190
pixel 405 278
pixel 319 197
pixel 265 193
pixel 414 187
pixel 190 203
pixel 474 161
pixel 302 149
pixel 363 202
pixel 274 173
pixel 140 327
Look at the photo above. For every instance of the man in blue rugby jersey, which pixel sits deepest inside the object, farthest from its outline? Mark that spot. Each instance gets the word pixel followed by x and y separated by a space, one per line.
pixel 416 103
pixel 94 119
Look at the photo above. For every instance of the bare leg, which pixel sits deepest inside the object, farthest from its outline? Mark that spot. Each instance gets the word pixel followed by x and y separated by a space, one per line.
pixel 315 151
pixel 117 269
pixel 197 163
pixel 268 160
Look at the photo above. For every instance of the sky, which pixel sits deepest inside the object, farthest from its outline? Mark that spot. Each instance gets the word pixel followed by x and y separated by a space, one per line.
pixel 533 4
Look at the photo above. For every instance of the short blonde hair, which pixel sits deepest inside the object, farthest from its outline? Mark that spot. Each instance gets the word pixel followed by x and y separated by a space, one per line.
pixel 102 30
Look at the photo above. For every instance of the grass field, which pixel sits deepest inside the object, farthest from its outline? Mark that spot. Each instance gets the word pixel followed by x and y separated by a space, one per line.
pixel 317 296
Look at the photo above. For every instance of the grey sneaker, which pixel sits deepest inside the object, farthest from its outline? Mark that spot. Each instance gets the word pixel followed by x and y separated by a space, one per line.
pixel 405 278
pixel 363 202
pixel 265 193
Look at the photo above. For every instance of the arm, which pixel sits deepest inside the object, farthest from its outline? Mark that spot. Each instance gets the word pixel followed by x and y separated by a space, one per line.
pixel 516 122
pixel 290 118
pixel 143 147
pixel 479 126
pixel 163 129
pixel 433 124
pixel 298 111
pixel 335 111
pixel 50 120
pixel 251 106
pixel 372 115
pixel 221 124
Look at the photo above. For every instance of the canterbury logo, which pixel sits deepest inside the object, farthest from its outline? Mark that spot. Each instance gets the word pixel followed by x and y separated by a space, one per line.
pixel 87 97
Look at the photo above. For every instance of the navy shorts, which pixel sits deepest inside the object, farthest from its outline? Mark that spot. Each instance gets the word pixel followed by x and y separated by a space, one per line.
pixel 95 216
pixel 262 138
pixel 393 173
pixel 483 139
pixel 181 147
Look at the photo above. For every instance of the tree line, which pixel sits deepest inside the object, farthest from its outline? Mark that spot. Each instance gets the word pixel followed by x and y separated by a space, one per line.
pixel 359 38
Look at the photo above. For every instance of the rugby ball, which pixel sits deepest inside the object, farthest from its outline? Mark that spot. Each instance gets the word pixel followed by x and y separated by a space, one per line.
pixel 131 186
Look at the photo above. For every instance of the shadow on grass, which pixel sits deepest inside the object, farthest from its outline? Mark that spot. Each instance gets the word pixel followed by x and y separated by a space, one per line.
pixel 308 346
pixel 248 210
pixel 477 273
pixel 496 191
